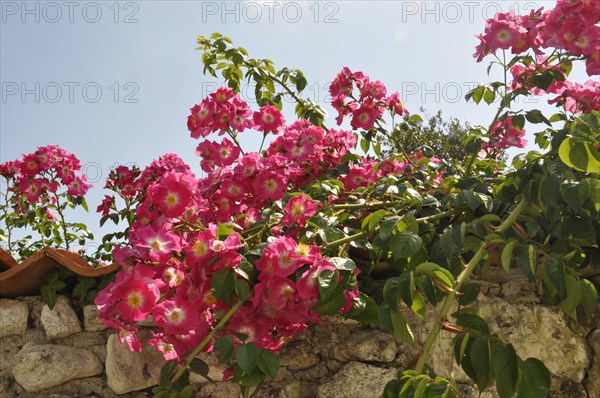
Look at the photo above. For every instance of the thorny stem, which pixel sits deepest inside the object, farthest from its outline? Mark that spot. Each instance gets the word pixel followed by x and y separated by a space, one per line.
pixel 363 234
pixel 63 224
pixel 5 208
pixel 462 278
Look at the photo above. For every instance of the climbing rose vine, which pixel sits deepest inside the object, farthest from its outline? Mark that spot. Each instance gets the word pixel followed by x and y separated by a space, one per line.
pixel 241 260
pixel 325 221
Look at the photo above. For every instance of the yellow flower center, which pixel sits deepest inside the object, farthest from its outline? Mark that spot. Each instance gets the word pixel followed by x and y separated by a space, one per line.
pixel 134 300
pixel 172 199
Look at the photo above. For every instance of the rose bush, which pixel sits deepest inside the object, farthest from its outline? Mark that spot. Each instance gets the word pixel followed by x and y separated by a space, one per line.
pixel 243 259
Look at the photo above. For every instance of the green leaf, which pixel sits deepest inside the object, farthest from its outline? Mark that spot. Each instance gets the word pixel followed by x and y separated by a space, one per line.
pixel 268 363
pixel 428 288
pixel 364 145
pixel 327 283
pixel 331 234
pixel 418 306
pixel 223 283
pixel 166 372
pixel 489 96
pixel 247 357
pixel 343 263
pixel 518 121
pixel 200 367
pixel 579 155
pixel 387 226
pixel 506 256
pixel 470 319
pixel 469 293
pixel 481 361
pixel 372 220
pixel 224 344
pixel 406 287
pixel 478 94
pixel 535 379
pixel 80 290
pixel 404 244
pixel 395 323
pixel 223 231
pixel 536 116
pixel 330 307
pixel 589 297
pixel 390 293
pixel 579 231
pixel 364 310
pixel 252 379
pixel 555 275
pixel 421 387
pixel 49 290
pixel 242 289
pixel 401 328
pixel 549 186
pixel 437 272
pixel 301 83
pixel 575 193
pixel 187 392
pixel 527 261
pixel 573 298
pixel 505 365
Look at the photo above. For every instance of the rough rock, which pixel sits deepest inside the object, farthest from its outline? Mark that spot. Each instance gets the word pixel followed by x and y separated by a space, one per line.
pixel 319 372
pixel 128 371
pixel 593 376
pixel 298 355
pixel 61 321
pixel 271 390
pixel 39 367
pixel 13 317
pixel 331 332
pixel 84 339
pixel 539 332
pixel 357 380
pixel 218 390
pixel 367 345
pixel 91 322
pixel 534 330
pixel 300 389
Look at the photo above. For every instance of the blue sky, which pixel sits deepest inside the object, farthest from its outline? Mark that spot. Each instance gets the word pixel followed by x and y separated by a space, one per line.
pixel 113 81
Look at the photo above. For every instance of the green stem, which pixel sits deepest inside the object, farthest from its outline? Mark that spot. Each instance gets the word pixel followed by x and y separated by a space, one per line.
pixel 462 278
pixel 347 239
pixel 436 216
pixel 63 223
pixel 5 208
pixel 505 71
pixel 206 340
pixel 363 234
pixel 262 142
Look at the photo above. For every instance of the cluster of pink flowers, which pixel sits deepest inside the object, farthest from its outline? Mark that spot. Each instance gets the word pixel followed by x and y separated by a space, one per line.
pixel 570 26
pixel 239 185
pixel 223 110
pixel 169 269
pixel 370 104
pixel 38 176
pixel 281 306
pixel 176 247
pixel 522 77
pixel 579 98
pixel 505 135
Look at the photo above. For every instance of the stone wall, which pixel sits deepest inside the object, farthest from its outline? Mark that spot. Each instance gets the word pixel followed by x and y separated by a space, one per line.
pixel 66 352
